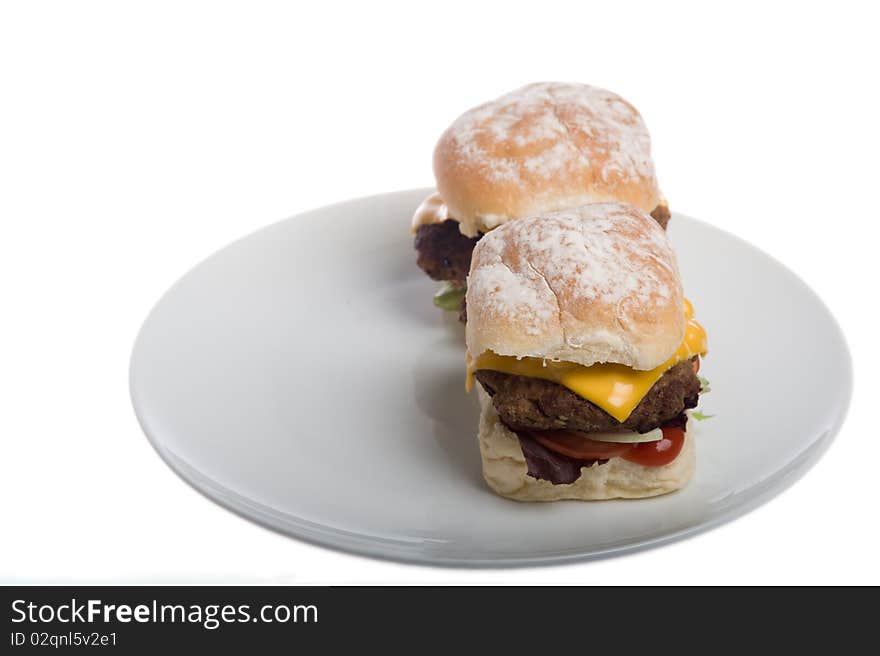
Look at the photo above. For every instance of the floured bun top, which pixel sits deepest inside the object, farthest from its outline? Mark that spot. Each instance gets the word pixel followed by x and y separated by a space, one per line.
pixel 596 283
pixel 544 147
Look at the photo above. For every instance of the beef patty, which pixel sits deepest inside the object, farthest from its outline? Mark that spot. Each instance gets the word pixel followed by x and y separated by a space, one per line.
pixel 525 403
pixel 443 252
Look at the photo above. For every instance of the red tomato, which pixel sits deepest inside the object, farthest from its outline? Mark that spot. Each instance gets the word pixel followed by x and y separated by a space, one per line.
pixel 576 445
pixel 659 453
pixel 697 364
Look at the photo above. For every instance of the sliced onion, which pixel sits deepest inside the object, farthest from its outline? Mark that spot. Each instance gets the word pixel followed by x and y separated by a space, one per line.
pixel 627 437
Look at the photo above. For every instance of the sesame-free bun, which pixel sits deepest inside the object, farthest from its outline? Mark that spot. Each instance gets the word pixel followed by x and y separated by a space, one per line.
pixel 506 472
pixel 596 283
pixel 544 147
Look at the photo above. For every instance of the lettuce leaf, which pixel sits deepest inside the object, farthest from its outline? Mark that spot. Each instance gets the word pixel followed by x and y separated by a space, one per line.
pixel 449 296
pixel 705 387
pixel 699 416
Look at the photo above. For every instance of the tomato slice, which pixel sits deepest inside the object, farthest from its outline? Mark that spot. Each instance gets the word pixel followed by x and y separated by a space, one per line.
pixel 697 364
pixel 575 444
pixel 659 453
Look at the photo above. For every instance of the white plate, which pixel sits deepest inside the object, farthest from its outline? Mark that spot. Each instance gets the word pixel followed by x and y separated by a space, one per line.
pixel 302 378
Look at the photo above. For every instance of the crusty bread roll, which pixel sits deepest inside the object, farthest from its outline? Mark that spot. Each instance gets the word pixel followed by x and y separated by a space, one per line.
pixel 544 147
pixel 506 472
pixel 596 283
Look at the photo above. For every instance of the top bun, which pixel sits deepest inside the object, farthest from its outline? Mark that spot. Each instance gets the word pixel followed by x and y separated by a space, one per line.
pixel 596 283
pixel 544 147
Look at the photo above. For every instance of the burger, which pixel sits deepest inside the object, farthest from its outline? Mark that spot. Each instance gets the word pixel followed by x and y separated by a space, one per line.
pixel 585 353
pixel 547 146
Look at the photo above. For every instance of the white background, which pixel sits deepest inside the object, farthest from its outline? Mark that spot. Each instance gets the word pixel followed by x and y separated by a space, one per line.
pixel 137 138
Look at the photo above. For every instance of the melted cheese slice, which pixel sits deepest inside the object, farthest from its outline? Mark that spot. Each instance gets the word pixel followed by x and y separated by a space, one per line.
pixel 432 210
pixel 615 388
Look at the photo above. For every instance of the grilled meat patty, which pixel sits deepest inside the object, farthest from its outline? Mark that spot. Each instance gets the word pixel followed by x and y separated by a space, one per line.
pixel 525 403
pixel 443 252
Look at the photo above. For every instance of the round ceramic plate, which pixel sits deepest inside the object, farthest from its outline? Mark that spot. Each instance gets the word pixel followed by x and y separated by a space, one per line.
pixel 302 378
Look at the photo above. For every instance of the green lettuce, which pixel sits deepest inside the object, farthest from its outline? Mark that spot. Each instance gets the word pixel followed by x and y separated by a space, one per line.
pixel 449 296
pixel 705 388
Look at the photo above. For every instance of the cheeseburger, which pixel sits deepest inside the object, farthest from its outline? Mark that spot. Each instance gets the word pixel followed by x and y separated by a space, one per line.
pixel 545 147
pixel 586 352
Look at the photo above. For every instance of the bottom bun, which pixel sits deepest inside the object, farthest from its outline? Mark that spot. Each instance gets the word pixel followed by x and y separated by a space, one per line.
pixel 505 470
